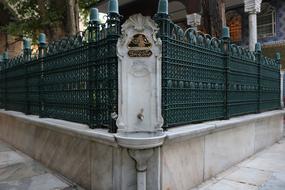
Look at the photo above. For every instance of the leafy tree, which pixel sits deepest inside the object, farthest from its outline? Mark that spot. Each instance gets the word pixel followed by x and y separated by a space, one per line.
pixel 56 18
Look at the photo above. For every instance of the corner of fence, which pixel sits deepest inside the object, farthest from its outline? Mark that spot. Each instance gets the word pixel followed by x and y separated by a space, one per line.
pixel 226 49
pixel 41 54
pixel 27 52
pixel 5 62
pixel 113 34
pixel 278 62
pixel 258 53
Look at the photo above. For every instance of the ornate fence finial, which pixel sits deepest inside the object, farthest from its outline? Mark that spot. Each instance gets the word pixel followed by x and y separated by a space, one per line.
pixel 162 7
pixel 42 39
pixel 113 6
pixel 27 43
pixel 27 48
pixel 42 44
pixel 258 47
pixel 94 15
pixel 278 56
pixel 226 33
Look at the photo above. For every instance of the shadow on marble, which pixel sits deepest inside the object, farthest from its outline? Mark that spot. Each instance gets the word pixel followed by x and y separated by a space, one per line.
pixel 270 165
pixel 21 170
pixel 40 182
pixel 229 185
pixel 276 182
pixel 249 176
pixel 4 147
pixel 11 157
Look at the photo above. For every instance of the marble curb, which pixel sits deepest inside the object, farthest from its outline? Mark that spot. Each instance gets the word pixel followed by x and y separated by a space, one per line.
pixel 66 127
pixel 187 132
pixel 177 134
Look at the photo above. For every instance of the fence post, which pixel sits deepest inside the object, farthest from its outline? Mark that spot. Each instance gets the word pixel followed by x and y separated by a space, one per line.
pixel 258 61
pixel 226 49
pixel 5 61
pixel 163 21
pixel 42 53
pixel 113 33
pixel 278 58
pixel 27 57
pixel 93 30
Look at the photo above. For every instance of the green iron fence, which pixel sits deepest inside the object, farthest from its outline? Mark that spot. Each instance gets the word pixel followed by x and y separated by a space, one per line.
pixel 74 79
pixel 203 78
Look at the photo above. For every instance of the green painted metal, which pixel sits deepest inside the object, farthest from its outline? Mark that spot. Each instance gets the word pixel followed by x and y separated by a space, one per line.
pixel 113 6
pixel 94 15
pixel 162 7
pixel 76 78
pixel 205 78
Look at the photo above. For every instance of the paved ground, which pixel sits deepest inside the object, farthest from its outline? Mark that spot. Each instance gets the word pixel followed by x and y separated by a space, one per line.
pixel 19 172
pixel 263 171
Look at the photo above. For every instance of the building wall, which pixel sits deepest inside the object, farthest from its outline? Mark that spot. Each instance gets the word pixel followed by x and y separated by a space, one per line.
pixel 280 23
pixel 270 45
pixel 10 43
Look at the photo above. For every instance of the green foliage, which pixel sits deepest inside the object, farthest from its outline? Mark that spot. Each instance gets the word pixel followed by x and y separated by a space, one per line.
pixel 35 16
pixel 85 6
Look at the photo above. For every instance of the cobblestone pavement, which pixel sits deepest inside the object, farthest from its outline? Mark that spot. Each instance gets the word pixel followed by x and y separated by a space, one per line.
pixel 20 172
pixel 263 171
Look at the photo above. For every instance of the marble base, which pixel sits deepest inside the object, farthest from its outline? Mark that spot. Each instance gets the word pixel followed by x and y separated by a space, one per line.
pixel 94 160
pixel 90 158
pixel 195 153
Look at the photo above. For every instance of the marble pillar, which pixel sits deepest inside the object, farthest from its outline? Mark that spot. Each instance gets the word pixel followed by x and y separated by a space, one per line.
pixel 252 7
pixel 252 30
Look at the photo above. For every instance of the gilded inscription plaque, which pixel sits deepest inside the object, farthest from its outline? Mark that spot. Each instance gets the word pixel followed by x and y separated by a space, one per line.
pixel 139 46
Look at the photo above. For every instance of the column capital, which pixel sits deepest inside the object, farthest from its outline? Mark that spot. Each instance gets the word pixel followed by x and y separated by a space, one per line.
pixel 252 6
pixel 194 19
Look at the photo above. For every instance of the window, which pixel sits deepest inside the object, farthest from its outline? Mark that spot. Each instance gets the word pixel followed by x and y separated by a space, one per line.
pixel 266 21
pixel 234 22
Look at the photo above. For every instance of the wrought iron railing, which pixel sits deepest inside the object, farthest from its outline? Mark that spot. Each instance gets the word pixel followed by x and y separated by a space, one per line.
pixel 74 79
pixel 203 78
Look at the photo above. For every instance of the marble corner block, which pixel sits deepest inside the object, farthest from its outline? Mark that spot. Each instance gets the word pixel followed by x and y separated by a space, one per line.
pixel 102 166
pixel 267 131
pixel 65 154
pixel 249 176
pixel 43 182
pixel 226 148
pixel 182 164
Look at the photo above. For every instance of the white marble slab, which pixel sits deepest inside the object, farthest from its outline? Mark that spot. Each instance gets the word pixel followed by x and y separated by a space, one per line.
pixel 182 164
pixel 40 182
pixel 226 148
pixel 229 185
pixel 11 157
pixel 21 170
pixel 250 176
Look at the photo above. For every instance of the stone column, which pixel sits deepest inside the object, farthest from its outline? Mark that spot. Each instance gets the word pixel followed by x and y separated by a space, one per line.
pixel 252 7
pixel 194 20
